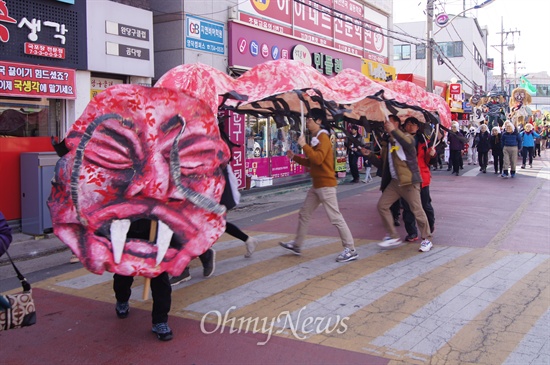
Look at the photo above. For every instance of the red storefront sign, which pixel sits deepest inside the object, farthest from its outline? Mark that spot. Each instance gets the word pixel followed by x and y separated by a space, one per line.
pixel 455 89
pixel 18 79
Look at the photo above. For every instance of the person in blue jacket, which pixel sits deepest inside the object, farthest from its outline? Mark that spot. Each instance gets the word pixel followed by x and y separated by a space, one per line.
pixel 511 143
pixel 528 142
pixel 5 234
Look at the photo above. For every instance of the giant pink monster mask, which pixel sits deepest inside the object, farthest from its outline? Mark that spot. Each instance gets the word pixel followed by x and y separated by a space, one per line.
pixel 138 155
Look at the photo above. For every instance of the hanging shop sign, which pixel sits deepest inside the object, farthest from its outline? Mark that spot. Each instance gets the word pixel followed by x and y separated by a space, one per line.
pixel 204 35
pixel 36 81
pixel 378 71
pixel 48 33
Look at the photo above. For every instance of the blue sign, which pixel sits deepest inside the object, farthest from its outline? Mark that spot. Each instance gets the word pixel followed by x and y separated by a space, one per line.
pixel 254 48
pixel 275 52
pixel 204 35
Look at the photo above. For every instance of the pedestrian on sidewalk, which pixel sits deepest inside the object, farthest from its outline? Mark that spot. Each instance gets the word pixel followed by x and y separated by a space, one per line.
pixel 368 167
pixel 425 153
pixel 353 155
pixel 483 146
pixel 528 136
pixel 5 234
pixel 511 143
pixel 439 152
pixel 319 158
pixel 400 179
pixel 456 141
pixel 495 142
pixel 472 145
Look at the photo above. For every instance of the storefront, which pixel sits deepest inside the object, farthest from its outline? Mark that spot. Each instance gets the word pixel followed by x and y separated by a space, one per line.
pixel 41 47
pixel 261 32
pixel 54 57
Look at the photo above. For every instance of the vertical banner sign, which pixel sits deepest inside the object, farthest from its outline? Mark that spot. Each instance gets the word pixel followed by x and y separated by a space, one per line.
pixel 235 130
pixel 204 35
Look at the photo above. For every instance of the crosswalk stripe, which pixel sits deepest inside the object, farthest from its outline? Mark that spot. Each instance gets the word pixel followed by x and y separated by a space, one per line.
pixel 244 270
pixel 272 284
pixel 367 289
pixel 492 335
pixel 429 328
pixel 535 346
pixel 88 280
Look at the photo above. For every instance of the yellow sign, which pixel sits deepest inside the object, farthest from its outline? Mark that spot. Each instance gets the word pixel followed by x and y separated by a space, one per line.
pixel 378 71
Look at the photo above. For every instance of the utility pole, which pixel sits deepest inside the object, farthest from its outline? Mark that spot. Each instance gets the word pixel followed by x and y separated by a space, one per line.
pixel 429 52
pixel 503 36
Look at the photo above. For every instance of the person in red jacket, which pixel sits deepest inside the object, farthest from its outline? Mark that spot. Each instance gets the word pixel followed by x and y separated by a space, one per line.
pixel 424 153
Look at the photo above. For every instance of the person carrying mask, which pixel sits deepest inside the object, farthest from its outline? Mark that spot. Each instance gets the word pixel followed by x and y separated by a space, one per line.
pixel 400 179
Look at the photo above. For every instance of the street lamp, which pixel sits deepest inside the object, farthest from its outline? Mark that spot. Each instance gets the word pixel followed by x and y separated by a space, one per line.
pixel 430 41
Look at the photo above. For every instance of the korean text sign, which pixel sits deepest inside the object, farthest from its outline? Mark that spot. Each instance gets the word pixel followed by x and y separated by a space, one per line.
pixel 17 79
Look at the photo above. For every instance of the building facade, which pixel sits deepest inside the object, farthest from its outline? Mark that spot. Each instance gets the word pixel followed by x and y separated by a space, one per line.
pixel 460 53
pixel 55 55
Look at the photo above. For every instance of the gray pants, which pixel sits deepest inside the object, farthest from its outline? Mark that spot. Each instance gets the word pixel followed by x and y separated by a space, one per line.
pixel 510 157
pixel 327 197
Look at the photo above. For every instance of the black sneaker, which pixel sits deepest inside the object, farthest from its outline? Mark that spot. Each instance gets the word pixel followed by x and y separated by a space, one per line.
pixel 164 333
pixel 185 276
pixel 291 247
pixel 122 309
pixel 208 260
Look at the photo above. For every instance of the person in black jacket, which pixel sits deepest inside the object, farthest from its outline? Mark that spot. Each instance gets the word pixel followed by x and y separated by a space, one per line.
pixel 496 149
pixel 456 141
pixel 353 155
pixel 483 146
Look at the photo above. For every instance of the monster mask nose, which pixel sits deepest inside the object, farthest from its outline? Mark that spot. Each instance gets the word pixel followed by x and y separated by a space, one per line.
pixel 153 181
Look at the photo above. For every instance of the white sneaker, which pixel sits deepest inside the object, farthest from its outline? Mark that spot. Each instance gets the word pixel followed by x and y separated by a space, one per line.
pixel 250 243
pixel 425 246
pixel 389 242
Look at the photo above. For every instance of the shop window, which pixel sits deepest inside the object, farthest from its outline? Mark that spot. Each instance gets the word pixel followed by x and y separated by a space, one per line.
pixel 24 117
pixel 264 139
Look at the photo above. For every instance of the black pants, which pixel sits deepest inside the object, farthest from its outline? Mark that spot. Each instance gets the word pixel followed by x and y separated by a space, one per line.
pixel 234 231
pixel 455 159
pixel 483 159
pixel 353 168
pixel 527 151
pixel 498 161
pixel 395 209
pixel 408 216
pixel 537 149
pixel 161 292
